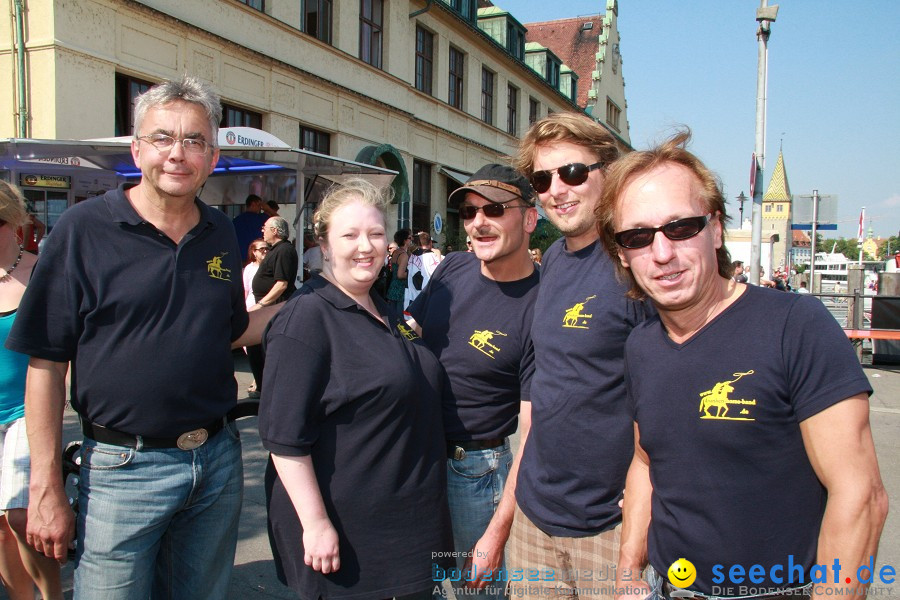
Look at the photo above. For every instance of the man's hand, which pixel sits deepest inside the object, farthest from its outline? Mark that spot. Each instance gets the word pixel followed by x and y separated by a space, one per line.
pixel 486 560
pixel 320 542
pixel 637 590
pixel 51 522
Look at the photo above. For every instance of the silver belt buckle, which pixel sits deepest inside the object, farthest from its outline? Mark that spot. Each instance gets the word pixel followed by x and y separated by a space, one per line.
pixel 191 440
pixel 459 453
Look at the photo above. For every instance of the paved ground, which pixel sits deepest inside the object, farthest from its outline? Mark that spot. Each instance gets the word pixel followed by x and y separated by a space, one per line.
pixel 254 572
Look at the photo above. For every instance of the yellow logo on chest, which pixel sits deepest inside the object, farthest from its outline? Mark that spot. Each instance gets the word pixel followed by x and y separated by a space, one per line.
pixel 575 318
pixel 406 331
pixel 481 341
pixel 717 400
pixel 215 269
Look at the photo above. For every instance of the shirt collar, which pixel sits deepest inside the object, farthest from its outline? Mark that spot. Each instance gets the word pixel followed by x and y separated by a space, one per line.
pixel 123 212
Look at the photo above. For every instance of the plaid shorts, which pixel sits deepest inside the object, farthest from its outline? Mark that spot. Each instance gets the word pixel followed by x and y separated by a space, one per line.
pixel 566 567
pixel 15 465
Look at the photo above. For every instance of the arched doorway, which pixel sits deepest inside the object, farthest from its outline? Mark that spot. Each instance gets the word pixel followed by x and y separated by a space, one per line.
pixel 390 158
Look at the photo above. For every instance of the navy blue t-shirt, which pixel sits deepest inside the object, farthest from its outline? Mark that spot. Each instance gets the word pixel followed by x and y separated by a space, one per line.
pixel 719 418
pixel 147 324
pixel 581 441
pixel 480 330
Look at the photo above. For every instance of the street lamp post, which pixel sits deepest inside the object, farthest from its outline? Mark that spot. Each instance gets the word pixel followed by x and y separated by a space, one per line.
pixel 741 199
pixel 765 16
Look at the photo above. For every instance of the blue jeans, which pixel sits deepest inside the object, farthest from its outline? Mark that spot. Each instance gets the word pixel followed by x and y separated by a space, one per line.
pixel 158 523
pixel 474 488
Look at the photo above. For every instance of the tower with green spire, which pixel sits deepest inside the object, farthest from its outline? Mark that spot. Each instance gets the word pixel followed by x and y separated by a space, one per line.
pixel 777 217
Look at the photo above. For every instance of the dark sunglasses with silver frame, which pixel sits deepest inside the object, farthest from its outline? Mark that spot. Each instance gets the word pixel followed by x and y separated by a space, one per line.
pixel 492 210
pixel 570 174
pixel 678 230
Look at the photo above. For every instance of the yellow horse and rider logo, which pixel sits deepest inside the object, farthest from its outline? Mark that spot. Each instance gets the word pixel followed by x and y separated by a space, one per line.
pixel 406 332
pixel 717 400
pixel 216 270
pixel 481 341
pixel 575 318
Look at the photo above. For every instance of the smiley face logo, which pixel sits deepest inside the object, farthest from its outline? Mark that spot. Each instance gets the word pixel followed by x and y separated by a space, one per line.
pixel 682 573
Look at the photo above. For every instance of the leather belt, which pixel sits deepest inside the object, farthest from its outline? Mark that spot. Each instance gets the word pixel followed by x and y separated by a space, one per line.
pixel 798 593
pixel 457 450
pixel 189 440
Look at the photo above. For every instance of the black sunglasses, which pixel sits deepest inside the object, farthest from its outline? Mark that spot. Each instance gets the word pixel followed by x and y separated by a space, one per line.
pixel 492 210
pixel 682 229
pixel 570 174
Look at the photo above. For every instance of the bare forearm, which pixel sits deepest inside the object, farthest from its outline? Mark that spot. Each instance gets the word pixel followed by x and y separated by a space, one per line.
pixel 840 448
pixel 851 529
pixel 258 320
pixel 45 400
pixel 501 522
pixel 299 479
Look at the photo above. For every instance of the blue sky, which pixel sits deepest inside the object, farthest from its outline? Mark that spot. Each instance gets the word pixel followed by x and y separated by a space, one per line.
pixel 833 95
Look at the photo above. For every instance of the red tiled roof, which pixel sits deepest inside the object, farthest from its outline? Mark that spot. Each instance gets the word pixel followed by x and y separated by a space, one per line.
pixel 576 47
pixel 800 238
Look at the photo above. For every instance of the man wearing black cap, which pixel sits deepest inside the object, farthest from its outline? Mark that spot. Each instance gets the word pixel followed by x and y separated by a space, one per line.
pixel 475 315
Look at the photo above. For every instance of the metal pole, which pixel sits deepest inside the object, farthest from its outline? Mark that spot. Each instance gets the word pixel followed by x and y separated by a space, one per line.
pixel 20 68
pixel 812 256
pixel 765 15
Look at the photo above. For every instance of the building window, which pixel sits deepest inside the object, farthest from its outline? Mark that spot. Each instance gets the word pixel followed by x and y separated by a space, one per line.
pixel 515 41
pixel 512 110
pixel 533 110
pixel 613 113
pixel 424 59
pixel 487 96
pixel 779 208
pixel 455 97
pixel 553 73
pixel 232 116
pixel 257 4
pixel 315 140
pixel 371 20
pixel 127 89
pixel 421 197
pixel 468 9
pixel 316 19
pixel 768 208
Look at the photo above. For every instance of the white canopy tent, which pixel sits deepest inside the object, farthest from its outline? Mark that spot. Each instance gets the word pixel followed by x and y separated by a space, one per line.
pixel 250 161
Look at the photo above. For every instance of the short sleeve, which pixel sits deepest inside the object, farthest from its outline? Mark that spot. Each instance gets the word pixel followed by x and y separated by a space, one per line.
pixel 285 267
pixel 821 365
pixel 291 407
pixel 47 322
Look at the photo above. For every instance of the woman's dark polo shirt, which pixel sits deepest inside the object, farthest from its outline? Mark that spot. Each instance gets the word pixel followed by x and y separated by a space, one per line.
pixel 147 324
pixel 363 400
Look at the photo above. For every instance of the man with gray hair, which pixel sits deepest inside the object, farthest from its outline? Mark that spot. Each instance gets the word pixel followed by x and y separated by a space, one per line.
pixel 147 320
pixel 272 284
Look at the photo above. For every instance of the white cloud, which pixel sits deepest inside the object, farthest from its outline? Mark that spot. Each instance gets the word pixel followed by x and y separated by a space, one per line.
pixel 892 201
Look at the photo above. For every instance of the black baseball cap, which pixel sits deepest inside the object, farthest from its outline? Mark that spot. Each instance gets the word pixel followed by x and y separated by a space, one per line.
pixel 497 183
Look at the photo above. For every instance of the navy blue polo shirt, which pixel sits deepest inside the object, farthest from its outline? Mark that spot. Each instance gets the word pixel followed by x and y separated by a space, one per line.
pixel 147 324
pixel 361 398
pixel 480 330
pixel 582 437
